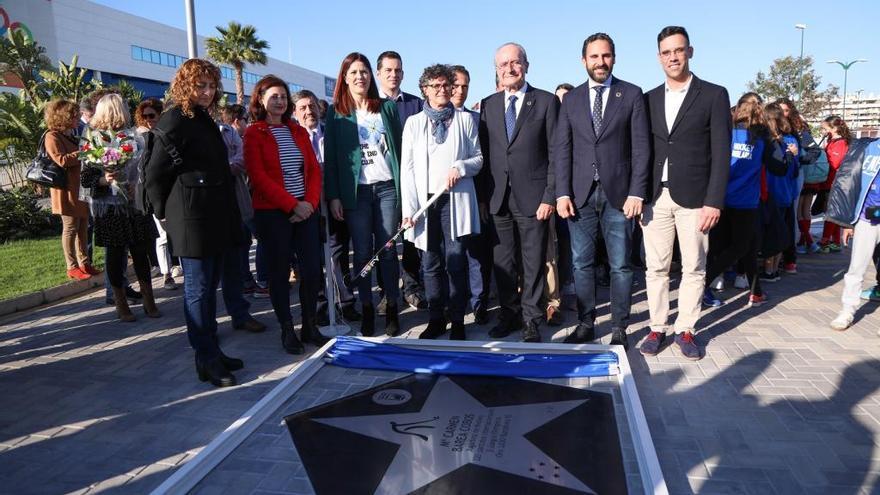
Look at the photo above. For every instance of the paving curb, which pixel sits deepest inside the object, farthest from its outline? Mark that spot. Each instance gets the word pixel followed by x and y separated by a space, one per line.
pixel 50 295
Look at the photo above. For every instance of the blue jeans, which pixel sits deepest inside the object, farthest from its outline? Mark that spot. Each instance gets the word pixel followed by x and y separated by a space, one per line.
pixel 233 285
pixel 244 256
pixel 279 238
pixel 374 220
pixel 617 232
pixel 444 265
pixel 201 279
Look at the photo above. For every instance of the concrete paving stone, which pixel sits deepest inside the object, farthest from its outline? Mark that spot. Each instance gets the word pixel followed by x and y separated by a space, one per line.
pixel 718 487
pixel 280 475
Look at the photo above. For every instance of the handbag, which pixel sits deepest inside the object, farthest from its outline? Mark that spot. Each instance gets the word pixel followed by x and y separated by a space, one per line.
pixel 816 172
pixel 44 171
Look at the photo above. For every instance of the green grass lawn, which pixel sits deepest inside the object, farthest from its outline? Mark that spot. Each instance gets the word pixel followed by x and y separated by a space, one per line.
pixel 34 264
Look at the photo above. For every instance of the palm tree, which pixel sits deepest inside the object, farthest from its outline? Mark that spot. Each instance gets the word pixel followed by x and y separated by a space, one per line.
pixel 236 46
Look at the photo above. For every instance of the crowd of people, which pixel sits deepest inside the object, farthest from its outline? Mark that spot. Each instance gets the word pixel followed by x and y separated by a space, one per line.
pixel 545 194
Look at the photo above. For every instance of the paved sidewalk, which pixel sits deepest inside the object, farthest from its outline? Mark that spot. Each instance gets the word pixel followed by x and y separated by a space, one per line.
pixel 780 404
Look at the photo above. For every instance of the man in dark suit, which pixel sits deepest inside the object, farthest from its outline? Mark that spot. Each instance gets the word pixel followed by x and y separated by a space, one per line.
pixel 389 75
pixel 601 159
pixel 516 131
pixel 690 122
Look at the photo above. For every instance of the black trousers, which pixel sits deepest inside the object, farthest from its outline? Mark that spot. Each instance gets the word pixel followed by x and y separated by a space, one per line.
pixel 519 233
pixel 734 239
pixel 117 261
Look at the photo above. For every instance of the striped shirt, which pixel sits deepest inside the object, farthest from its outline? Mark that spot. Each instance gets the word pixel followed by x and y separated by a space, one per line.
pixel 291 161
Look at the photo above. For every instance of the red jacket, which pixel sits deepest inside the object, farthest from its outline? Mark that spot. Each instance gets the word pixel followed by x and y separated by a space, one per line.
pixel 835 150
pixel 264 168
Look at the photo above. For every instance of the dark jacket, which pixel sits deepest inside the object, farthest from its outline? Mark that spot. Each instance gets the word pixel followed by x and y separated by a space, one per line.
pixel 859 168
pixel 524 161
pixel 197 200
pixel 621 151
pixel 342 153
pixel 408 106
pixel 697 145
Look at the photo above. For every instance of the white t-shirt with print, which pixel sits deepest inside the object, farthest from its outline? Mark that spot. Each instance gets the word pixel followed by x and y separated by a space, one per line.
pixel 374 149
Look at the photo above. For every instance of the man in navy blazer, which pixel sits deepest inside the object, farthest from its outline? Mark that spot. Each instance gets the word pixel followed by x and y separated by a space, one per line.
pixel 389 75
pixel 516 133
pixel 601 158
pixel 691 126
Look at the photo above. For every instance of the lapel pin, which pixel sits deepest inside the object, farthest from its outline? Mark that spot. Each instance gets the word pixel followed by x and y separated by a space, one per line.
pixel 529 103
pixel 618 94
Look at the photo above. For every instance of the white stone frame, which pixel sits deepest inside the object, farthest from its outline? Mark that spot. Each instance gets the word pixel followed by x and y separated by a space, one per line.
pixel 191 473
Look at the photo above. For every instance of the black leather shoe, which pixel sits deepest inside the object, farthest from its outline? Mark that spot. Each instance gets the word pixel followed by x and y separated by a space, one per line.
pixel 481 314
pixel 289 340
pixel 133 295
pixel 505 327
pixel 436 328
pixel 585 332
pixel 457 332
pixel 249 325
pixel 530 332
pixel 311 335
pixel 231 363
pixel 215 372
pixel 368 322
pixel 392 324
pixel 322 319
pixel 618 337
pixel 350 314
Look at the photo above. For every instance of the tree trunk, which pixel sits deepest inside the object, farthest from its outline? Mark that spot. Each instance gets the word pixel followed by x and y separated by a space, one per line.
pixel 239 83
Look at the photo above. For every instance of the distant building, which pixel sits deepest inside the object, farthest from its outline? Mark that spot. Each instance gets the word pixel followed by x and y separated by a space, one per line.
pixel 115 45
pixel 862 113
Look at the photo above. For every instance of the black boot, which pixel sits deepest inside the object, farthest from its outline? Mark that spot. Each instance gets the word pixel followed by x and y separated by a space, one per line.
pixel 214 371
pixel 231 363
pixel 289 340
pixel 436 327
pixel 457 332
pixel 392 324
pixel 368 320
pixel 311 335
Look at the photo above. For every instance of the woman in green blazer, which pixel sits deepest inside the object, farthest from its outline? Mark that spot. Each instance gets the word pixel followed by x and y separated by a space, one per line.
pixel 362 178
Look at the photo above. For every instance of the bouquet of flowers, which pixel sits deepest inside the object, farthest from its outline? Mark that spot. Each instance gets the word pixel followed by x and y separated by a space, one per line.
pixel 109 151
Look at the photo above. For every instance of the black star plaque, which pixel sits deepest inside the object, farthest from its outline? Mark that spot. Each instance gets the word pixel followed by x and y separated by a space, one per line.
pixel 430 434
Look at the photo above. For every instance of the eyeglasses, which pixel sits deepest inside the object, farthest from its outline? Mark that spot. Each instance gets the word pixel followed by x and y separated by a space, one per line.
pixel 516 64
pixel 149 116
pixel 437 87
pixel 668 53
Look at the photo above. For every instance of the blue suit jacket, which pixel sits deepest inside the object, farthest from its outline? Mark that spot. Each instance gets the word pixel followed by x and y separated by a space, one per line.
pixel 408 106
pixel 621 151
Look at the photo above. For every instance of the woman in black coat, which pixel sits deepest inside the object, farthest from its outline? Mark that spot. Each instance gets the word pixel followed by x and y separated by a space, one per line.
pixel 195 198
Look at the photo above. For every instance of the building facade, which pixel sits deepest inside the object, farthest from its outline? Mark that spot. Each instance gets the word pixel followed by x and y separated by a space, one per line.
pixel 114 45
pixel 862 112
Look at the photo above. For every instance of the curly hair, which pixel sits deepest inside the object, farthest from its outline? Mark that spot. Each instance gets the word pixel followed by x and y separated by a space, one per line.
pixel 436 71
pixel 58 114
pixel 111 114
pixel 151 103
pixel 839 125
pixel 777 124
pixel 183 86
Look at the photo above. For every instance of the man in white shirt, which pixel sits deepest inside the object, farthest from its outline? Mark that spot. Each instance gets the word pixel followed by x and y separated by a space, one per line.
pixel 306 112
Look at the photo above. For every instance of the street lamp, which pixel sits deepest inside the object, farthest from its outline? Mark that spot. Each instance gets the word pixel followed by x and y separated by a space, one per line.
pixel 192 46
pixel 858 109
pixel 802 28
pixel 846 66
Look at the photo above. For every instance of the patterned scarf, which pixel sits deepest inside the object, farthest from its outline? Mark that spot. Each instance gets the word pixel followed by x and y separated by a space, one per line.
pixel 440 121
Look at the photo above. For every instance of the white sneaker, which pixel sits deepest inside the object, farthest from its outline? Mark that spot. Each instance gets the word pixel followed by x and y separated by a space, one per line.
pixel 718 283
pixel 741 282
pixel 176 271
pixel 842 322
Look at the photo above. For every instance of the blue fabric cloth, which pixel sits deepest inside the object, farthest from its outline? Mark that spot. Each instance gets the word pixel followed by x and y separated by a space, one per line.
pixel 744 181
pixel 350 352
pixel 872 198
pixel 445 265
pixel 370 225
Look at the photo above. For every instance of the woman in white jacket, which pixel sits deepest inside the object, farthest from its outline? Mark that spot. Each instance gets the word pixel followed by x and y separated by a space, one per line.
pixel 441 155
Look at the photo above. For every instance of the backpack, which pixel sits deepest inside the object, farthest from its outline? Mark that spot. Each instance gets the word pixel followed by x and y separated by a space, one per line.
pixel 152 139
pixel 817 171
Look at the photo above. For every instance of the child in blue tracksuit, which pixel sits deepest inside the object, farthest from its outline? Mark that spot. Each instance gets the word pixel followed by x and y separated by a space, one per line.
pixel 782 189
pixel 735 236
pixel 865 230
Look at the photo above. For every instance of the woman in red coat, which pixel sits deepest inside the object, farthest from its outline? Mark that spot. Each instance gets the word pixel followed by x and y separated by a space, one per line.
pixel 286 182
pixel 838 138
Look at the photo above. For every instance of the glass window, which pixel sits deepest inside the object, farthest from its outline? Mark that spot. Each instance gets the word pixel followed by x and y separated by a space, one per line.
pixel 154 56
pixel 163 58
pixel 135 52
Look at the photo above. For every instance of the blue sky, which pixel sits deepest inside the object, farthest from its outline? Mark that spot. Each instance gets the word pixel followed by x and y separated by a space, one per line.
pixel 732 40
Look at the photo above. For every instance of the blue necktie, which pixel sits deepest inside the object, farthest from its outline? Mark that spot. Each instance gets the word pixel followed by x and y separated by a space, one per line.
pixel 597 109
pixel 510 117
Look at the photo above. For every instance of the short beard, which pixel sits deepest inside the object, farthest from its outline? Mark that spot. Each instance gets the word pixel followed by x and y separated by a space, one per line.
pixel 593 76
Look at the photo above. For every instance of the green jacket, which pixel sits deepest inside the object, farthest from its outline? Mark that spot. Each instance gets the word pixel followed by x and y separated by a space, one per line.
pixel 342 153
